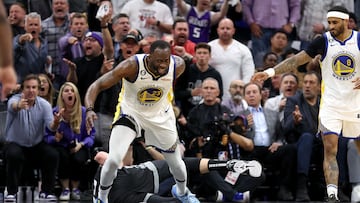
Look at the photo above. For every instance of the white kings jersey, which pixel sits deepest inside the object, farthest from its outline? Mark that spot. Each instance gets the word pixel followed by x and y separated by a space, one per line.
pixel 340 64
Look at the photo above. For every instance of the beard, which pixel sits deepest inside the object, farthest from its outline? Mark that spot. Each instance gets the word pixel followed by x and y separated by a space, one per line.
pixel 237 97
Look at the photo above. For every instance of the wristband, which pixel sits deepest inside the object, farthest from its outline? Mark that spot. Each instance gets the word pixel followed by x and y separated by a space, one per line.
pixel 158 23
pixel 105 26
pixel 90 108
pixel 270 72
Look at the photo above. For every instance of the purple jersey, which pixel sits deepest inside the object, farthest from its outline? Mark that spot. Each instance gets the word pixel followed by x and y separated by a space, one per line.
pixel 199 27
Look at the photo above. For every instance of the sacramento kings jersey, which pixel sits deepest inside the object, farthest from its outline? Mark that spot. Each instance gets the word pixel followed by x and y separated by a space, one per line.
pixel 340 64
pixel 199 27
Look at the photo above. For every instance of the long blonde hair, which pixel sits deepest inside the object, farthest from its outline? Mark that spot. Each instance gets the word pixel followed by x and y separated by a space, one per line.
pixel 76 112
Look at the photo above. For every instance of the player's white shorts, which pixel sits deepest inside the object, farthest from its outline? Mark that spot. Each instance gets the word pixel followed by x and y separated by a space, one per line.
pixel 160 129
pixel 334 122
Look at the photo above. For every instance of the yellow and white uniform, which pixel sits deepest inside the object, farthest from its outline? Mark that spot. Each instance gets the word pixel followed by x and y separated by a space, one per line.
pixel 148 101
pixel 340 103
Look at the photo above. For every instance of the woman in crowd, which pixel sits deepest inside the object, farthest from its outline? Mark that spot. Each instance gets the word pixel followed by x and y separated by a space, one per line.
pixel 47 90
pixel 71 140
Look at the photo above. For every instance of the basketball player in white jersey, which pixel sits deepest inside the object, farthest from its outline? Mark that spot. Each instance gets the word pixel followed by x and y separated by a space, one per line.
pixel 7 72
pixel 145 104
pixel 340 96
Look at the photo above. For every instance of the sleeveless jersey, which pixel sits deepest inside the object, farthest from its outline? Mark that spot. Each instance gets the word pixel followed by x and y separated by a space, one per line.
pixel 148 100
pixel 199 27
pixel 340 64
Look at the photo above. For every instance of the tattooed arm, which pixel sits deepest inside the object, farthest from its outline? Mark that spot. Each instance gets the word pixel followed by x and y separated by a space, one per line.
pixel 287 65
pixel 292 63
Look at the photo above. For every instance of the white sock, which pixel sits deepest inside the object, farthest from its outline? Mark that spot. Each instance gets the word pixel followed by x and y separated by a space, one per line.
pixel 103 194
pixel 220 196
pixel 179 188
pixel 332 189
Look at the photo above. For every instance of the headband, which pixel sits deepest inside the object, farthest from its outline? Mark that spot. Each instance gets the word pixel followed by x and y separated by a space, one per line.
pixel 337 14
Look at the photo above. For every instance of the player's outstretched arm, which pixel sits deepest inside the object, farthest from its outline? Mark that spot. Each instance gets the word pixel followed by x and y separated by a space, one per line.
pixel 285 66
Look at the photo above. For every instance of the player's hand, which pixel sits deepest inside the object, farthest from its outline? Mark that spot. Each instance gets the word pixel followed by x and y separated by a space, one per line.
pixel 356 82
pixel 90 117
pixel 8 80
pixel 259 77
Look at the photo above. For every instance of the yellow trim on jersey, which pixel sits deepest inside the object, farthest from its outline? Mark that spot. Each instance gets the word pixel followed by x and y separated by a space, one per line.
pixel 120 99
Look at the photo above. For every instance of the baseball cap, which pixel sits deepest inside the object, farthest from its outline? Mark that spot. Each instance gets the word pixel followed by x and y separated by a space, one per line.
pixel 96 36
pixel 131 36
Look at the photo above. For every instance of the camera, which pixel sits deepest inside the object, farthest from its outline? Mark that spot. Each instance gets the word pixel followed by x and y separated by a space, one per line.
pixel 218 130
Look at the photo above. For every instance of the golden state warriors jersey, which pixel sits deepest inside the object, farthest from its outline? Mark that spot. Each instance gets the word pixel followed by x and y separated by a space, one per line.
pixel 340 64
pixel 148 100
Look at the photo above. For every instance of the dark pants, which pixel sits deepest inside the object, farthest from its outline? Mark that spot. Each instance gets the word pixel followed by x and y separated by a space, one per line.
pixel 72 165
pixel 283 159
pixel 41 156
pixel 306 144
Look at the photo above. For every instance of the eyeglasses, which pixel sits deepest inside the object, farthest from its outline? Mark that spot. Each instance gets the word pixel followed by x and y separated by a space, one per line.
pixel 90 39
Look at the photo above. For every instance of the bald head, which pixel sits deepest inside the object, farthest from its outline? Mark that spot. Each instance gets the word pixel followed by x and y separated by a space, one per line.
pixel 226 30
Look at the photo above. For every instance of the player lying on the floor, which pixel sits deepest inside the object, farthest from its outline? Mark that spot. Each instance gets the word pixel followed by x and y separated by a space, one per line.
pixel 141 183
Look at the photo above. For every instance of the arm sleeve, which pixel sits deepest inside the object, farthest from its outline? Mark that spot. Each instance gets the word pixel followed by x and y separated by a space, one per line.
pixel 317 46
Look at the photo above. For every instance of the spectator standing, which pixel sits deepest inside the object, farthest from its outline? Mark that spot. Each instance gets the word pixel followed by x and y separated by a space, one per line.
pixel 16 18
pixel 188 91
pixel 121 27
pixel 53 28
pixel 231 58
pixel 28 115
pixel 71 141
pixel 278 45
pixel 264 17
pixel 30 49
pixel 200 18
pixel 313 20
pixel 71 45
pixel 149 16
pixel 97 60
pixel 181 45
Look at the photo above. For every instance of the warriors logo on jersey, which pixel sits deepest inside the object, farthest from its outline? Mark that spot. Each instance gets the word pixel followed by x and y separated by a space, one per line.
pixel 149 95
pixel 343 66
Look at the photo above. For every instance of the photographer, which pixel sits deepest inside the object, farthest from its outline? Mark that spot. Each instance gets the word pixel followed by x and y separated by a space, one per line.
pixel 214 136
